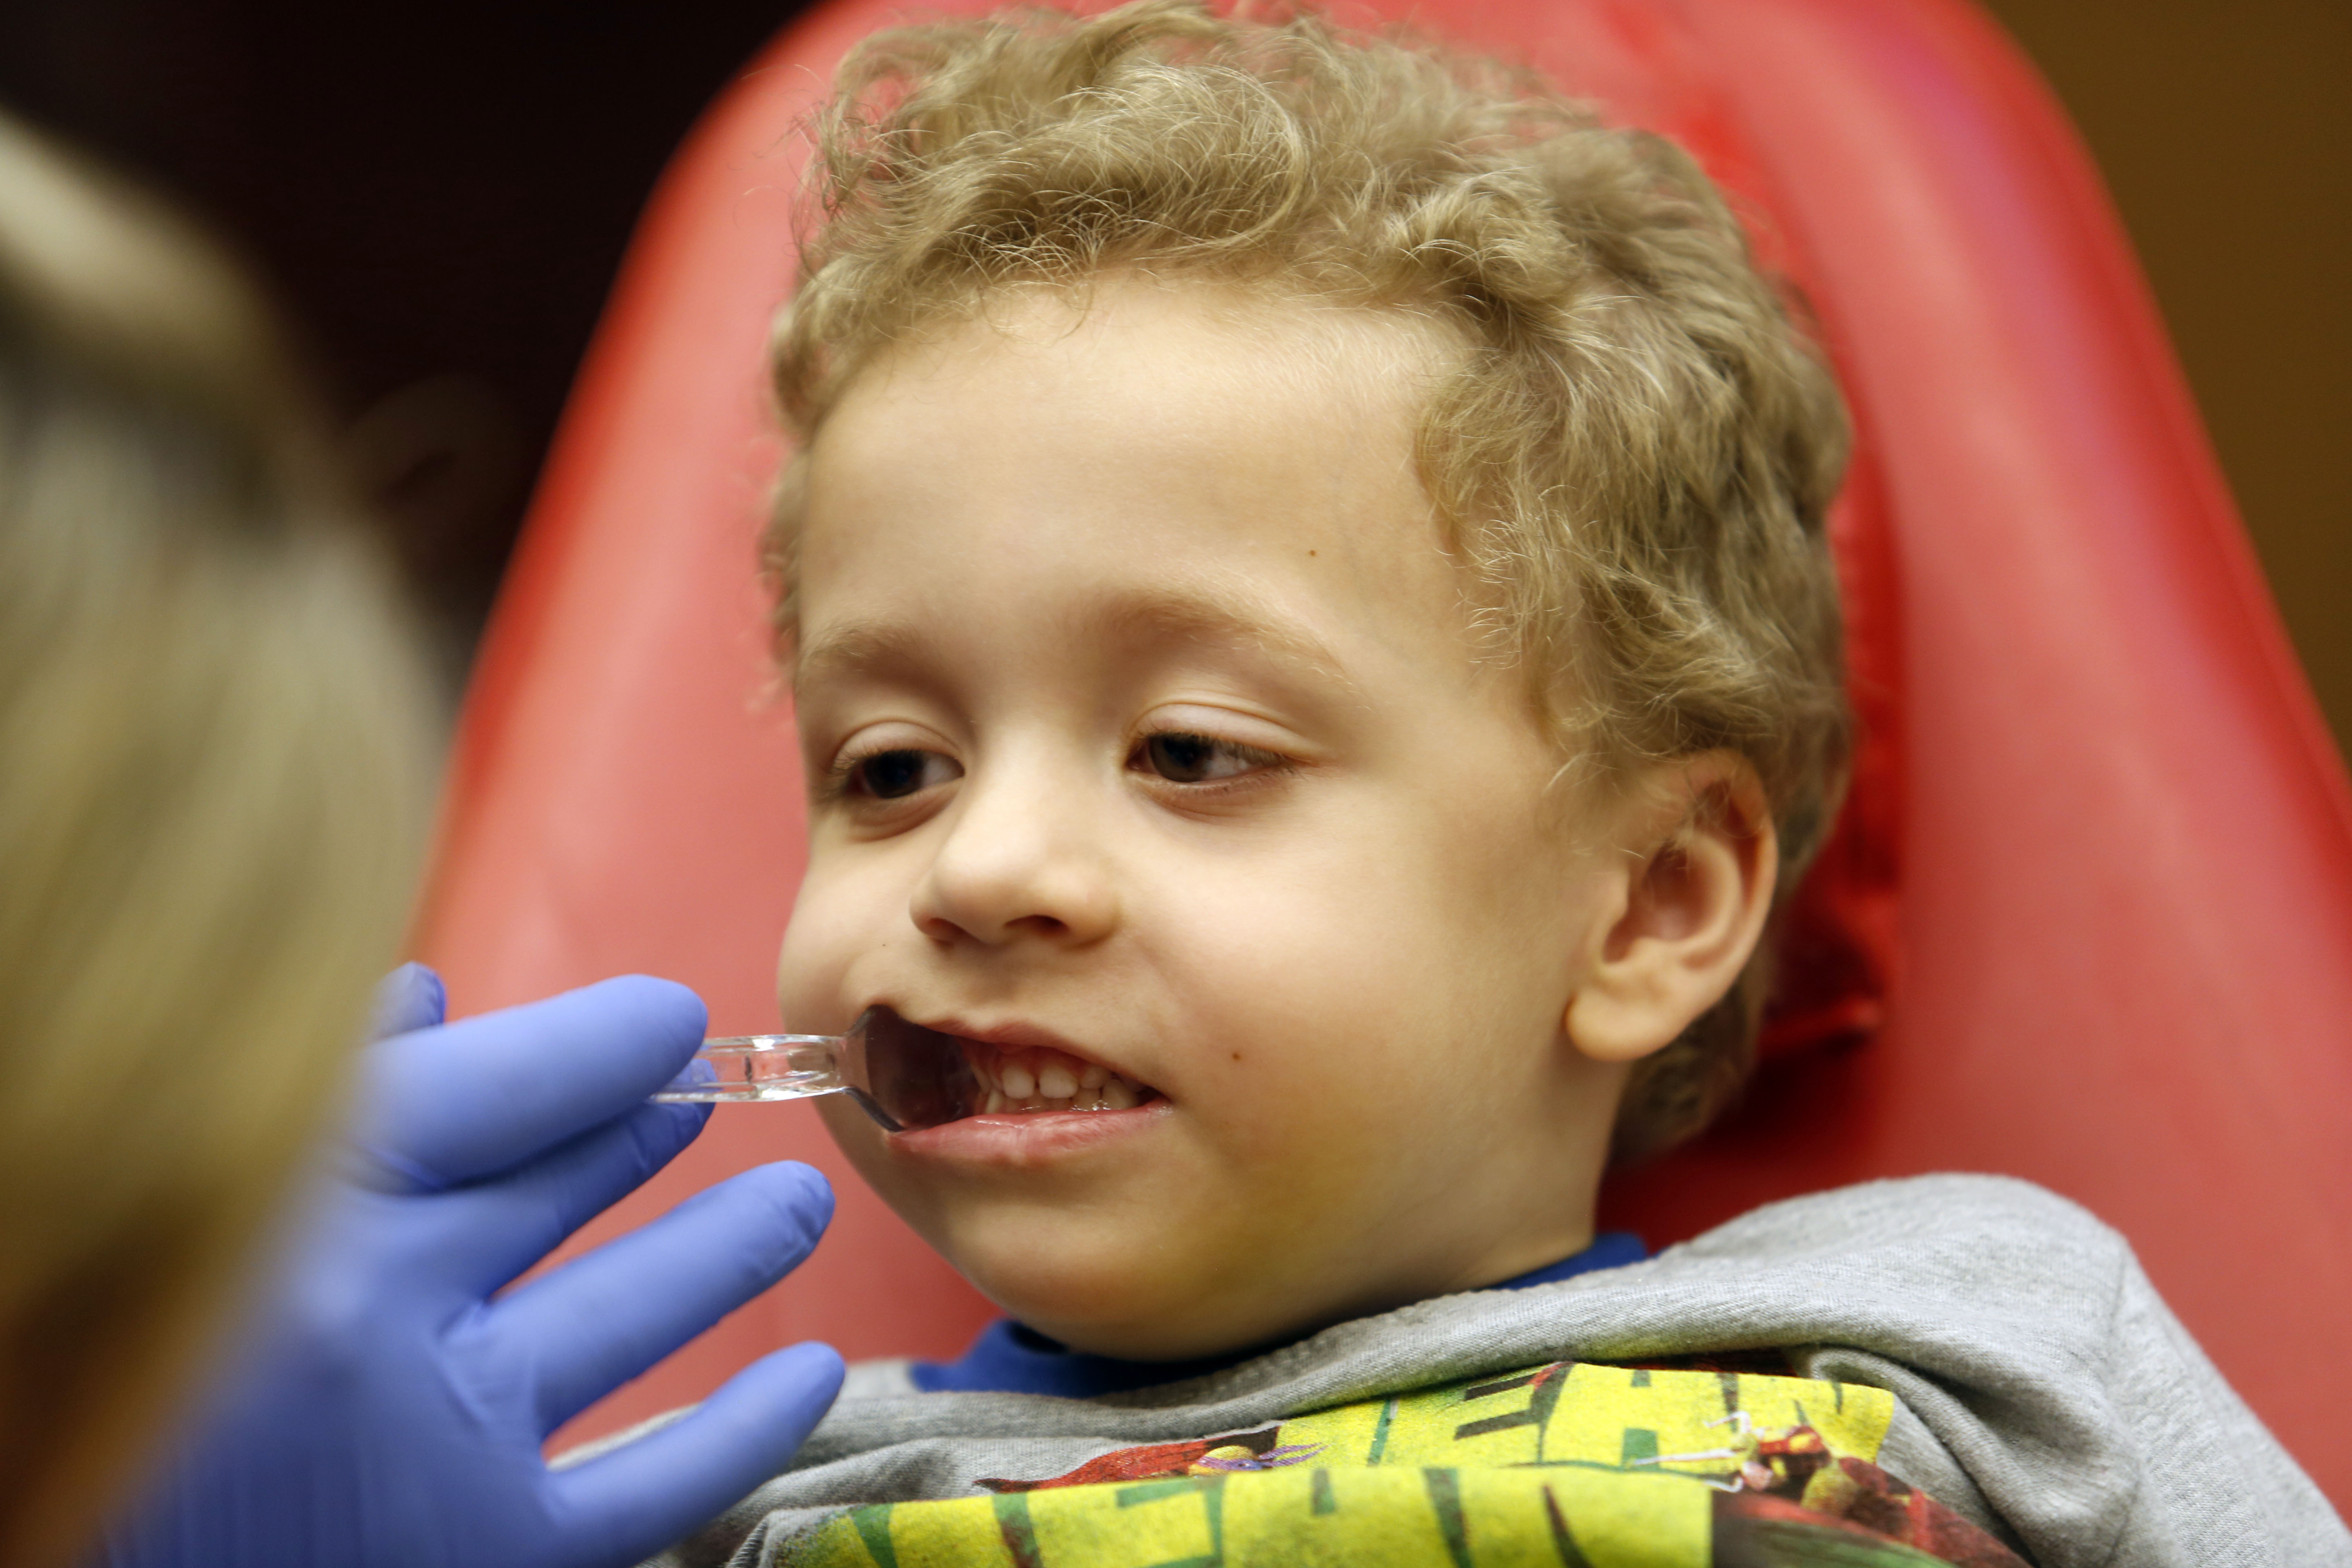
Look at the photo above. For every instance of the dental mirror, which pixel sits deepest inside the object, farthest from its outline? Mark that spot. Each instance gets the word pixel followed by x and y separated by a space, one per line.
pixel 902 1075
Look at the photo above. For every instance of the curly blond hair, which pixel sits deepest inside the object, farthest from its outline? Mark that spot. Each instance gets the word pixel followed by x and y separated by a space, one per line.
pixel 1633 456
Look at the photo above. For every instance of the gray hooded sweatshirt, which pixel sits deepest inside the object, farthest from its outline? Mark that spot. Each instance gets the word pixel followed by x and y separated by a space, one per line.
pixel 2040 1387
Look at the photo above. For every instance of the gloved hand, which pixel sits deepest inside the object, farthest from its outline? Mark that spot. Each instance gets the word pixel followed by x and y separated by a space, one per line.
pixel 385 1411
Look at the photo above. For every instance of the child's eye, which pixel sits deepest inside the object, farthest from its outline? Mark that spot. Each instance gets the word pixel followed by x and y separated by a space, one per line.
pixel 895 774
pixel 1180 757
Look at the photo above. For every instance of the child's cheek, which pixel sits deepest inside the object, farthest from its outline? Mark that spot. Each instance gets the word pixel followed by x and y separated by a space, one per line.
pixel 834 920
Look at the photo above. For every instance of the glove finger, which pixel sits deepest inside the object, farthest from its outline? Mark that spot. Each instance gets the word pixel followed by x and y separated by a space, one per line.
pixel 639 1498
pixel 410 997
pixel 479 1238
pixel 602 1319
pixel 465 1101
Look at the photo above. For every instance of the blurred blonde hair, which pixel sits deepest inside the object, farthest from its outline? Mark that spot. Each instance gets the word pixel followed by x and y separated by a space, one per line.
pixel 218 740
pixel 1634 454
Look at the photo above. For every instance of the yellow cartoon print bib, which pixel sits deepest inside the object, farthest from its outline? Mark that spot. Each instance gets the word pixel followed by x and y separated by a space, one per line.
pixel 1572 1465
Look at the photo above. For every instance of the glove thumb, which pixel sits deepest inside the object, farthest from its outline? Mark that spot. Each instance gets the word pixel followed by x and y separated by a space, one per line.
pixel 410 997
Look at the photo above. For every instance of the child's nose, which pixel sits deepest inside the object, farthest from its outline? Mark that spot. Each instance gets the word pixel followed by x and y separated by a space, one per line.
pixel 1019 859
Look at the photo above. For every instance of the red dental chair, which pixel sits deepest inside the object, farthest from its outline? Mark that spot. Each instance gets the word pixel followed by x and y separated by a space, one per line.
pixel 2088 918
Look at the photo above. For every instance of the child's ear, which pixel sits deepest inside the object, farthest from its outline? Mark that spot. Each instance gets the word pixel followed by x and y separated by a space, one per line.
pixel 1692 887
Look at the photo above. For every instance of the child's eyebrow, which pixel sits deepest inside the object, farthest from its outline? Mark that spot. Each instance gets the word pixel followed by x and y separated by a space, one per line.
pixel 1216 619
pixel 1183 615
pixel 849 650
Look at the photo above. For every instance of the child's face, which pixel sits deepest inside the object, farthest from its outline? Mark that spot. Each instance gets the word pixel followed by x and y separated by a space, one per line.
pixel 1149 725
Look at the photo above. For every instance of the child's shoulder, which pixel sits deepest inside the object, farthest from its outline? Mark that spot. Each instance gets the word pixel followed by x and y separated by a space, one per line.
pixel 1971 1210
pixel 1968 1244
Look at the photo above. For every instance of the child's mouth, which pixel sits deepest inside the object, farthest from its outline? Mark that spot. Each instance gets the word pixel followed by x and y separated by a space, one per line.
pixel 1015 1101
pixel 910 1076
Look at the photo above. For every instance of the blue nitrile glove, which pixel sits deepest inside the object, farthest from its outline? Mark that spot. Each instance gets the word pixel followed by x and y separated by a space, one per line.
pixel 386 1411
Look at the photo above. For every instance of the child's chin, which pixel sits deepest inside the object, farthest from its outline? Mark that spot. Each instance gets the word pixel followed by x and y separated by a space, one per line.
pixel 1109 1296
pixel 1090 1282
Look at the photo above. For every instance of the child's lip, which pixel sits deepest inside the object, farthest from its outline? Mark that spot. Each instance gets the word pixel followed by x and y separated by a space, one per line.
pixel 1028 1138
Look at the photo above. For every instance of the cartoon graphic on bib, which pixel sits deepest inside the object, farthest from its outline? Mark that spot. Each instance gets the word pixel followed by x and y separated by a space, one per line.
pixel 1572 1463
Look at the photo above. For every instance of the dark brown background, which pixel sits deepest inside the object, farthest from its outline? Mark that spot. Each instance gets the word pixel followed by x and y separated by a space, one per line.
pixel 2225 130
pixel 441 191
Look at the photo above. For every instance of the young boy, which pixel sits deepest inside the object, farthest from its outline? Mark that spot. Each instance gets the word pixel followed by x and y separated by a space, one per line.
pixel 1310 617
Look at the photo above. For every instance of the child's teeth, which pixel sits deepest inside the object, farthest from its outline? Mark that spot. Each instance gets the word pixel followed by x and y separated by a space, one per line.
pixel 1051 1080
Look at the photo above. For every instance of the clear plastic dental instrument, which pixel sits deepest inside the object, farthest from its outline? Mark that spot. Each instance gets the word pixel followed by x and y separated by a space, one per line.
pixel 902 1075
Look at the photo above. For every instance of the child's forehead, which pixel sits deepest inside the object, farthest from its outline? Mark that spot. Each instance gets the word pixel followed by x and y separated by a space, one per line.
pixel 1141 466
pixel 1259 336
pixel 1142 413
